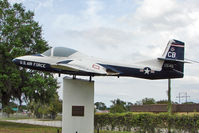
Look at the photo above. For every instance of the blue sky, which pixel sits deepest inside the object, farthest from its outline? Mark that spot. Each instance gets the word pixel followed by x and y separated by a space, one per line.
pixel 124 31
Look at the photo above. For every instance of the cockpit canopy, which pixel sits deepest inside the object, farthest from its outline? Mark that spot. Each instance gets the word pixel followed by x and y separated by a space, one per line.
pixel 59 52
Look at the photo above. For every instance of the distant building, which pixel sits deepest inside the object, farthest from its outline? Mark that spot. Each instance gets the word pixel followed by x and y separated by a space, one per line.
pixel 156 108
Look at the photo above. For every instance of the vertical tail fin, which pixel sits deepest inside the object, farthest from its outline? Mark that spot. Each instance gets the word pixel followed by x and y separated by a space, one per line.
pixel 173 58
pixel 174 50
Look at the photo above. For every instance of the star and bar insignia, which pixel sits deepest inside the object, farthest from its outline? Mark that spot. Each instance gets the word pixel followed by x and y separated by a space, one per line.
pixel 147 70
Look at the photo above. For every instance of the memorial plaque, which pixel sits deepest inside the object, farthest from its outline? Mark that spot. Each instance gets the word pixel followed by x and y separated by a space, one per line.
pixel 77 110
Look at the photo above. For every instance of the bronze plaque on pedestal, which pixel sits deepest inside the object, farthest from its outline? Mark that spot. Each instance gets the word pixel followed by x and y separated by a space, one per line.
pixel 77 110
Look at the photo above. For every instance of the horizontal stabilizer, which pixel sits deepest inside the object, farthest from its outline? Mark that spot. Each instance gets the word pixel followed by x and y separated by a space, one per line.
pixel 173 60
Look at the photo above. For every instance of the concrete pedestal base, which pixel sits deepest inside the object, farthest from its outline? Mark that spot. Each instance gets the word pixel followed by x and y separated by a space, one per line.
pixel 78 106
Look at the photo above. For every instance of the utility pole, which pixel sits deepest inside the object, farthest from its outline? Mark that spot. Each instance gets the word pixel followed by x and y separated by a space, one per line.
pixel 186 97
pixel 182 96
pixel 169 97
pixel 179 97
pixel 169 103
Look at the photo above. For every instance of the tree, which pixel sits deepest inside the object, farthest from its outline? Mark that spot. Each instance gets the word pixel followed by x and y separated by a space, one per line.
pixel 55 107
pixel 188 103
pixel 100 106
pixel 138 103
pixel 162 102
pixel 146 101
pixel 9 108
pixel 43 87
pixel 21 35
pixel 118 106
pixel 44 109
pixel 128 106
pixel 37 108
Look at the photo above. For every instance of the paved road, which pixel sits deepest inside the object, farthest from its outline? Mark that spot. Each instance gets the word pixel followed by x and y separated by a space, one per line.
pixel 38 122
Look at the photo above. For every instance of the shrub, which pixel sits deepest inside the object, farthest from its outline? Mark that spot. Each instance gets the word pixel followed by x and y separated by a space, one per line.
pixel 147 122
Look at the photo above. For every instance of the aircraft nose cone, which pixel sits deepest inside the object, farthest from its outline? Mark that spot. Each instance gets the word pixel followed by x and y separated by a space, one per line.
pixel 16 61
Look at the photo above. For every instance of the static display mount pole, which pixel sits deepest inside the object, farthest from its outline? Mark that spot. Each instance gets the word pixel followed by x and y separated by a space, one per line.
pixel 169 97
pixel 78 106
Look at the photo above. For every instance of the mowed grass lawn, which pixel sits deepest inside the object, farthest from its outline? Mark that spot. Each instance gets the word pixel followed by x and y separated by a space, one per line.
pixel 10 127
pixel 111 132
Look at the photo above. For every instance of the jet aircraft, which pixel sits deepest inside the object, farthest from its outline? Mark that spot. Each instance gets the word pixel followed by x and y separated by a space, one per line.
pixel 63 60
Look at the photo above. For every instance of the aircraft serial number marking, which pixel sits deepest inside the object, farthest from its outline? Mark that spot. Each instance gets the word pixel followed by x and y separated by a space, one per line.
pixel 169 65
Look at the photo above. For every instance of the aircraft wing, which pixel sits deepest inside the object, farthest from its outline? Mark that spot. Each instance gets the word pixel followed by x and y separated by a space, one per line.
pixel 90 67
pixel 75 65
pixel 110 69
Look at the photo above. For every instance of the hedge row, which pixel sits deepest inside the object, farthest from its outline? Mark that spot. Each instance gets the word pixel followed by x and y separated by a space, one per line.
pixel 147 122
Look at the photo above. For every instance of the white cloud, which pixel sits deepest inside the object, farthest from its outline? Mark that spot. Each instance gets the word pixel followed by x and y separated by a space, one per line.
pixel 155 8
pixel 45 4
pixel 191 79
pixel 160 15
pixel 16 1
pixel 94 6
